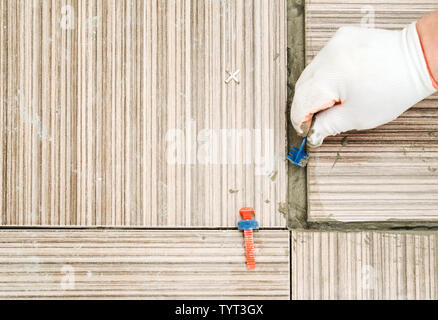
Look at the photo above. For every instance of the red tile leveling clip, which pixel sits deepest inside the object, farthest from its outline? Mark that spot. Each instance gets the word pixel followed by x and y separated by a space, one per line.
pixel 248 224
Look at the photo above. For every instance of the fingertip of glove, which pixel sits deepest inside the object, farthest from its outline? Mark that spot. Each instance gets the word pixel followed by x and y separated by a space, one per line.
pixel 303 129
pixel 315 138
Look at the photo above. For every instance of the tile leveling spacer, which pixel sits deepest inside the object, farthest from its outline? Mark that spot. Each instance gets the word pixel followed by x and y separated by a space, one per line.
pixel 248 224
pixel 298 156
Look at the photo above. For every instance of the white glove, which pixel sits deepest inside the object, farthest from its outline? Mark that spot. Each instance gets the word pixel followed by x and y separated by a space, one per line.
pixel 368 76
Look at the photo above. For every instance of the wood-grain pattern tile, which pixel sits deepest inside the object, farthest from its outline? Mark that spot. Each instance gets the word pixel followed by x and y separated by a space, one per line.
pixel 142 264
pixel 388 173
pixel 324 17
pixel 364 265
pixel 119 113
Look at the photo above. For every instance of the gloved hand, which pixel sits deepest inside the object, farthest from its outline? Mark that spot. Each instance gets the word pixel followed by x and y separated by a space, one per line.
pixel 361 79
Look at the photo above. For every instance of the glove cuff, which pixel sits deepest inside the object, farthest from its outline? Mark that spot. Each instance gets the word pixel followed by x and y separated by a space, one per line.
pixel 414 44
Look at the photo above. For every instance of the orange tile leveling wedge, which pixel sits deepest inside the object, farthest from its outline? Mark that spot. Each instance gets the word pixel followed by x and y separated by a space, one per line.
pixel 248 224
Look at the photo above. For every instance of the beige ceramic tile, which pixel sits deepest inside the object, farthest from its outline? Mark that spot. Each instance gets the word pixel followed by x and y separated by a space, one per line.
pixel 100 98
pixel 142 264
pixel 391 172
pixel 364 265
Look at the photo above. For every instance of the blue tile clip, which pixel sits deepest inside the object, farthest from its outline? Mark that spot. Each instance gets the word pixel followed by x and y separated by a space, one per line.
pixel 298 157
pixel 247 224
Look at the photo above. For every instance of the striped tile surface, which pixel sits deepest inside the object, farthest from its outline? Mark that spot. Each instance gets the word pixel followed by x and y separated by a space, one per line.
pixel 142 264
pixel 115 113
pixel 364 265
pixel 324 17
pixel 391 172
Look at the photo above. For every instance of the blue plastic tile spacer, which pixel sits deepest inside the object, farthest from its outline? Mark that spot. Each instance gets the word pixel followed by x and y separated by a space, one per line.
pixel 247 224
pixel 298 156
